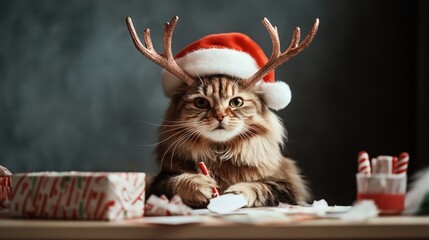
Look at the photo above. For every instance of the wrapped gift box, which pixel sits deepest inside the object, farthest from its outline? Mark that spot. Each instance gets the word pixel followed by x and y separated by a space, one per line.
pixel 5 187
pixel 5 191
pixel 78 195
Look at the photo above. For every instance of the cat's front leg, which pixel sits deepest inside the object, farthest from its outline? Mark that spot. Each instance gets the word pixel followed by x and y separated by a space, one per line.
pixel 194 189
pixel 264 193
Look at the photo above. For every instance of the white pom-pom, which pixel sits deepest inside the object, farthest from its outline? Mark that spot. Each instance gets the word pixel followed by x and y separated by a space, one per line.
pixel 277 95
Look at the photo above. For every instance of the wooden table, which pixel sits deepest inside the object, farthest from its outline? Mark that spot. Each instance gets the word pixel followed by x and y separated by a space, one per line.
pixel 403 227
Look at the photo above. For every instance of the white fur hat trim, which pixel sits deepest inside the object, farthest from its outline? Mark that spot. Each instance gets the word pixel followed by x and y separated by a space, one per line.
pixel 204 62
pixel 210 61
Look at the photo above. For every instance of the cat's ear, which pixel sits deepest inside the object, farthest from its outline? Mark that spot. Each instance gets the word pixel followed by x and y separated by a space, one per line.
pixel 170 83
pixel 276 95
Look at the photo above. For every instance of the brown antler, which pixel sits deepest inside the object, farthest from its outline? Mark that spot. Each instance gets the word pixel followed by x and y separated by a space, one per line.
pixel 165 60
pixel 277 58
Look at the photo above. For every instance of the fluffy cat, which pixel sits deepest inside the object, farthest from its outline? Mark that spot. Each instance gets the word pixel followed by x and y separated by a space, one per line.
pixel 224 121
pixel 217 121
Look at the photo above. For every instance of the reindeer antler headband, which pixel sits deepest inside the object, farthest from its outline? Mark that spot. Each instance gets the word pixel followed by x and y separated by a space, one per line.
pixel 232 54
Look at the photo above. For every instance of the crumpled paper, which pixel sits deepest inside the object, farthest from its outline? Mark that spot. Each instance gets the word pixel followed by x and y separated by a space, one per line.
pixel 161 206
pixel 361 211
pixel 318 208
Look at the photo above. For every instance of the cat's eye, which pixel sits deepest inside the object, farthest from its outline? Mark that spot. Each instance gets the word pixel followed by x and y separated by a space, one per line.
pixel 201 103
pixel 236 102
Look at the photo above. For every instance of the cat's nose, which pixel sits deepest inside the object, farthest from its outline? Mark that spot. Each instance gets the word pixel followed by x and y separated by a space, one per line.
pixel 219 117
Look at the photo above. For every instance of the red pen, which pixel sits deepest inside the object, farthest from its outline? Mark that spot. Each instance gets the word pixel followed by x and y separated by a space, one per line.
pixel 203 168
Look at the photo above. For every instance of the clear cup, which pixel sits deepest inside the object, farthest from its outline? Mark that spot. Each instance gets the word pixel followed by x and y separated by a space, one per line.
pixel 387 191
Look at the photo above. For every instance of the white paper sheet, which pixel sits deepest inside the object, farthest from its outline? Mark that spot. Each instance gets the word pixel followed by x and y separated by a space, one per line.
pixel 227 203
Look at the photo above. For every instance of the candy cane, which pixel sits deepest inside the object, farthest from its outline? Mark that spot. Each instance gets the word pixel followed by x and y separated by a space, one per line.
pixel 394 164
pixel 363 163
pixel 402 165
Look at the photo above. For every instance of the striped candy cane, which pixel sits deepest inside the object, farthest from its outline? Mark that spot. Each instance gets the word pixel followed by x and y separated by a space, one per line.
pixel 363 163
pixel 402 166
pixel 394 164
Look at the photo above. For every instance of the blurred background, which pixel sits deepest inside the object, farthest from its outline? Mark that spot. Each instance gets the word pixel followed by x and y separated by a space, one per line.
pixel 75 93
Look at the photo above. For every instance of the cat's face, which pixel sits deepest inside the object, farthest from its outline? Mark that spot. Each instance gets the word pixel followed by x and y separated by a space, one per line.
pixel 219 110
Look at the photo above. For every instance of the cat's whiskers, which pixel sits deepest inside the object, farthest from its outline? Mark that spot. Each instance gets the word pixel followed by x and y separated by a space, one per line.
pixel 184 133
pixel 149 123
pixel 177 125
pixel 176 121
pixel 183 123
pixel 196 135
pixel 166 151
pixel 181 132
pixel 180 142
pixel 176 128
pixel 157 143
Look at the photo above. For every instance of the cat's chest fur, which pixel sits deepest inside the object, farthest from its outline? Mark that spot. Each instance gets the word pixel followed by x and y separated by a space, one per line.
pixel 243 161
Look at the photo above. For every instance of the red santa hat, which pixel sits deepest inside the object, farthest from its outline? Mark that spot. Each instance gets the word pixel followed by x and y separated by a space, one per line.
pixel 232 54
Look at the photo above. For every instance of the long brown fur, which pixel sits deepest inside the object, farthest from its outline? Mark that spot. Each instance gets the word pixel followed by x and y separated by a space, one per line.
pixel 245 157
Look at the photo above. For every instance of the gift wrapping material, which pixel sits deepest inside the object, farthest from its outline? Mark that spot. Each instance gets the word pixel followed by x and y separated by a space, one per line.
pixel 78 195
pixel 4 171
pixel 5 187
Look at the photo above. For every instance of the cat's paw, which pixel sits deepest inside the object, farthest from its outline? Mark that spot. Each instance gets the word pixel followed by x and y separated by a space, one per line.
pixel 248 190
pixel 195 189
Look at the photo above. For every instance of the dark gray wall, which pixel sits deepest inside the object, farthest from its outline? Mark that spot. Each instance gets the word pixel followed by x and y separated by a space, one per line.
pixel 74 91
